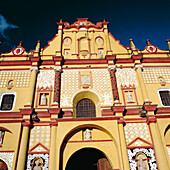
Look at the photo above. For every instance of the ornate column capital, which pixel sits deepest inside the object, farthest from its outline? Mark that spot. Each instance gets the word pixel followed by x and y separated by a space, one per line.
pixel 58 68
pixel 138 66
pixel 111 67
pixel 54 123
pixel 34 69
pixel 27 124
pixel 151 119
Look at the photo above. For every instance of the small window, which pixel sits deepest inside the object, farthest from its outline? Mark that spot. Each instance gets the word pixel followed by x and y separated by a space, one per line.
pixel 85 108
pixel 82 23
pixel 165 97
pixel 7 102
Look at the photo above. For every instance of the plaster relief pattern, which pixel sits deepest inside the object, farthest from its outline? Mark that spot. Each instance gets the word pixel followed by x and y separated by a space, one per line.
pixel 40 134
pixel 21 78
pixel 151 75
pixel 70 86
pixel 46 78
pixel 7 157
pixel 148 152
pixel 102 85
pixel 134 130
pixel 126 76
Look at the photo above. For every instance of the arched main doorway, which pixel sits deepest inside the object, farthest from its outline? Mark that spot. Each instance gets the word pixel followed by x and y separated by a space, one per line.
pixel 88 159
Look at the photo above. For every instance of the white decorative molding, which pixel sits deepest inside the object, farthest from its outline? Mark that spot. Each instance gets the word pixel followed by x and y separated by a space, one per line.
pixel 138 66
pixel 46 78
pixel 33 68
pixel 111 67
pixel 57 68
pixel 134 130
pixel 31 157
pixel 107 99
pixel 8 93
pixel 20 78
pixel 126 76
pixel 153 75
pixel 40 134
pixel 148 152
pixel 7 157
pixel 70 86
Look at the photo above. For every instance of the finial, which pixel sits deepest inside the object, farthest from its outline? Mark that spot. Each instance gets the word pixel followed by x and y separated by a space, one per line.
pixel 20 44
pixel 104 20
pixel 132 45
pixel 61 21
pixel 128 48
pixel 168 41
pixel 37 48
pixel 148 42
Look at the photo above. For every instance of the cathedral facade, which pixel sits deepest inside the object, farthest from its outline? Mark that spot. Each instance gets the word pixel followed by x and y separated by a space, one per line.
pixel 85 102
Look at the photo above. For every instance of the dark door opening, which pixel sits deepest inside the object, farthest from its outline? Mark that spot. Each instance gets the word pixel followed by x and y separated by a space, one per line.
pixel 87 159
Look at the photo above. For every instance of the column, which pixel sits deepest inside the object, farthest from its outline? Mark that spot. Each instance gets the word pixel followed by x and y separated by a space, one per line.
pixel 59 42
pixel 53 141
pixel 23 146
pixel 107 40
pixel 32 85
pixel 162 161
pixel 118 111
pixel 159 150
pixel 57 84
pixel 75 42
pixel 138 69
pixel 112 70
pixel 26 113
pixel 53 152
pixel 93 53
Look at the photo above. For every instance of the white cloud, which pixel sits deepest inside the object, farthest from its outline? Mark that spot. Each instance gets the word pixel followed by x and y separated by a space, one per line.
pixel 5 26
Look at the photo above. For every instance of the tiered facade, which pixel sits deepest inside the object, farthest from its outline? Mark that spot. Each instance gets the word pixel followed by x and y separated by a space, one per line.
pixel 85 102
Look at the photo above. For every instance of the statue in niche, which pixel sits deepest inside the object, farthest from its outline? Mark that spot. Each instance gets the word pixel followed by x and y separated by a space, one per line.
pixel 87 134
pixel 1 136
pixel 43 99
pixel 141 164
pixel 37 165
pixel 129 97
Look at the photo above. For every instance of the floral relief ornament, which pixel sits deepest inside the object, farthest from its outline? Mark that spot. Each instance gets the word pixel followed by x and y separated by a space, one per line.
pixel 126 77
pixel 148 152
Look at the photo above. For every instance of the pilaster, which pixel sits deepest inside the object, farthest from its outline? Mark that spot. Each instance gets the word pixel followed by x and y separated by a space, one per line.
pixel 118 110
pixel 112 70
pixel 53 150
pixel 24 138
pixel 57 84
pixel 142 86
pixel 33 78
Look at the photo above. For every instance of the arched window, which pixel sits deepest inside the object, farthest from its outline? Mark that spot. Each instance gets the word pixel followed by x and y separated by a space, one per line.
pixel 85 108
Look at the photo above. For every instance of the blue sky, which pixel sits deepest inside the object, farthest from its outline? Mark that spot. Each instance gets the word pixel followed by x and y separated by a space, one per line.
pixel 29 21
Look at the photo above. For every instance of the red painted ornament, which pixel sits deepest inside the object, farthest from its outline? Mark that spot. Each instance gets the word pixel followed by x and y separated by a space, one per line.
pixel 18 51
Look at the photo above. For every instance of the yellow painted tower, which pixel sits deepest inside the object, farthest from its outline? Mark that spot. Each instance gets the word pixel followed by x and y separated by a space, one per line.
pixel 85 102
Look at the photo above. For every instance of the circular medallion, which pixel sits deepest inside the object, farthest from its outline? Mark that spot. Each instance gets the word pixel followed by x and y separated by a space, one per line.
pixel 99 41
pixel 67 41
pixel 151 49
pixel 18 51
